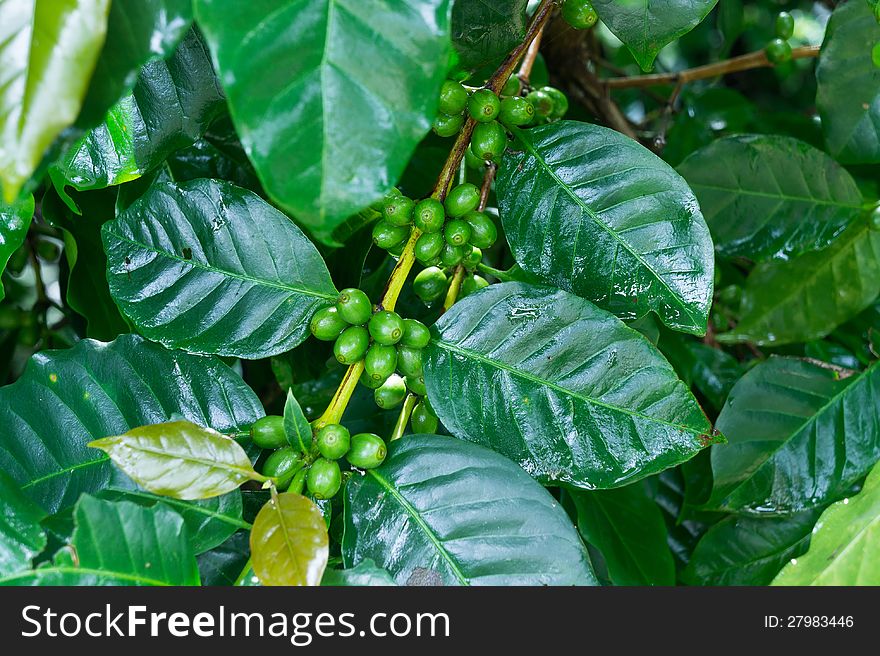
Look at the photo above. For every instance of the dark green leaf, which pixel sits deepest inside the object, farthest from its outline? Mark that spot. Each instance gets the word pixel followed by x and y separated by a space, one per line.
pixel 211 268
pixel 223 564
pixel 591 211
pixel 800 436
pixel 15 218
pixel 304 77
pixel 364 573
pixel 646 26
pixel 47 53
pixel 710 370
pixel 771 196
pixel 484 31
pixel 296 426
pixel 440 511
pixel 66 399
pixel 21 537
pixel 561 387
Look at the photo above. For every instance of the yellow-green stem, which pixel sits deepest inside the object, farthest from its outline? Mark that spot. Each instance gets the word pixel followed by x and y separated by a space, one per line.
pixel 333 413
pixel 454 288
pixel 403 418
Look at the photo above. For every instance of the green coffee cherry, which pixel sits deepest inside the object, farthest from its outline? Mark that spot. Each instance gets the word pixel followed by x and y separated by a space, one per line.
pixel 416 385
pixel 367 381
pixel 388 236
pixel 516 111
pixel 457 232
pixel 386 327
pixel 579 14
pixel 462 199
pixel 352 345
pixel 333 441
pixel 398 210
pixel 484 105
pixel 367 451
pixel 451 255
pixel 391 394
pixel 429 215
pixel 298 482
pixel 428 246
pixel 472 259
pixel 268 432
pixel 488 141
pixel 447 126
pixel 415 334
pixel 430 284
pixel 484 233
pixel 327 324
pixel 380 362
pixel 409 361
pixel 542 102
pixel 784 25
pixel 511 88
pixel 354 306
pixel 453 98
pixel 471 284
pixel 778 51
pixel 423 419
pixel 560 101
pixel 282 462
pixel 472 160
pixel 47 250
pixel 324 478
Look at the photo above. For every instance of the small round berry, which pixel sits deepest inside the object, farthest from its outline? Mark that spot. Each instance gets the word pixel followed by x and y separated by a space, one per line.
pixel 429 215
pixel 416 385
pixel 391 394
pixel 472 259
pixel 471 284
pixel 388 236
pixel 409 361
pixel 784 25
pixel 484 105
pixel 560 101
pixel 423 419
pixel 396 251
pixel 516 111
pixel 778 51
pixel 462 199
pixel 380 362
pixel 428 246
pixel 354 306
pixel 451 255
pixel 282 462
pixel 398 210
pixel 415 334
pixel 327 324
pixel 367 381
pixel 542 102
pixel 484 233
pixel 386 327
pixel 472 161
pixel 268 432
pixel 333 441
pixel 457 232
pixel 367 451
pixel 579 14
pixel 430 284
pixel 489 141
pixel 324 478
pixel 352 345
pixel 453 98
pixel 512 87
pixel 447 126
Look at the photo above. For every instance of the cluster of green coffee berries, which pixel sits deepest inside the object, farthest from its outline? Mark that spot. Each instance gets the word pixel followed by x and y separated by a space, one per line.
pixel 318 469
pixel 779 49
pixel 580 14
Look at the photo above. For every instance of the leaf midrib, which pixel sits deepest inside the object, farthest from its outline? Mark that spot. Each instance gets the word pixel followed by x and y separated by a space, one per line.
pixel 766 194
pixel 66 569
pixel 211 464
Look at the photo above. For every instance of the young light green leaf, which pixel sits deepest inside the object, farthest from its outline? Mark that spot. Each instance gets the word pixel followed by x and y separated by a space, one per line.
pixel 646 26
pixel 589 210
pixel 440 511
pixel 47 53
pixel 769 196
pixel 296 426
pixel 510 368
pixel 339 67
pixel 289 542
pixel 211 268
pixel 15 218
pixel 845 545
pixel 800 436
pixel 179 459
pixel 21 536
pixel 484 32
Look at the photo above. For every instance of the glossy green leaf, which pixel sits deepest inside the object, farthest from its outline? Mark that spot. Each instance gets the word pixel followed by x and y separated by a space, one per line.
pixel 748 550
pixel 484 31
pixel 808 297
pixel 440 511
pixel 848 92
pixel 561 387
pixel 137 32
pixel 710 371
pixel 365 573
pixel 120 543
pixel 845 547
pixel 223 565
pixel 771 196
pixel 171 107
pixel 21 537
pixel 47 53
pixel 179 459
pixel 304 76
pixel 646 26
pixel 15 218
pixel 627 527
pixel 211 268
pixel 296 426
pixel 591 211
pixel 289 543
pixel 66 399
pixel 800 435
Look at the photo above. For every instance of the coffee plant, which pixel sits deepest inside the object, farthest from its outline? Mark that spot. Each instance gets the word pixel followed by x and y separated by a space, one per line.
pixel 435 292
